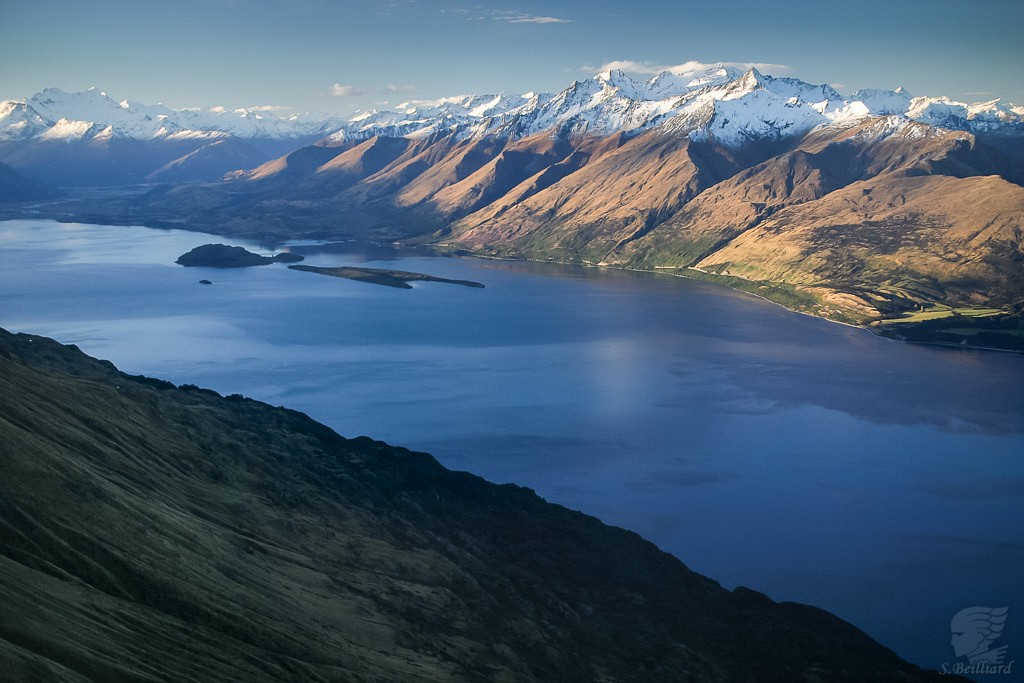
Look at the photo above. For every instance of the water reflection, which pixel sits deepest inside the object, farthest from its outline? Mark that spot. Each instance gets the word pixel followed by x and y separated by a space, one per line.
pixel 812 461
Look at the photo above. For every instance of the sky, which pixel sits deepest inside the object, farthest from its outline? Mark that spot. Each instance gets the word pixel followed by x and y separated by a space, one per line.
pixel 337 56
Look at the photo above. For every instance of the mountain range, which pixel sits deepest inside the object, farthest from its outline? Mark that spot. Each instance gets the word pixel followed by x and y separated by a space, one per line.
pixel 88 138
pixel 857 208
pixel 725 103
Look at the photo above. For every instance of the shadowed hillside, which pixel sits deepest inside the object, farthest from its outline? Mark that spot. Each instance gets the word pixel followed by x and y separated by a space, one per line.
pixel 151 532
pixel 15 187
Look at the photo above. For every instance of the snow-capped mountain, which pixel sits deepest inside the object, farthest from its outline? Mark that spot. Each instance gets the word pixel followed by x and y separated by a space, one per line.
pixel 57 115
pixel 425 118
pixel 109 142
pixel 88 138
pixel 722 103
pixel 884 102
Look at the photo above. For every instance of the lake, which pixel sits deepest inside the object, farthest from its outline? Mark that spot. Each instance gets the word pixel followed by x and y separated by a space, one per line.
pixel 808 460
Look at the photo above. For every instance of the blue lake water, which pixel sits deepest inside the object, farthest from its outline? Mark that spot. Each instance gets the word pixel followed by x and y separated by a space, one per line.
pixel 808 460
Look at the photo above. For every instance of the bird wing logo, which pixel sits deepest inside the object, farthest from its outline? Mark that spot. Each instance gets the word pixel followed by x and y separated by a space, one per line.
pixel 975 629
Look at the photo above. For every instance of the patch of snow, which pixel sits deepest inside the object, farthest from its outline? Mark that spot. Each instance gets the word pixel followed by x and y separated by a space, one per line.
pixel 883 102
pixel 67 129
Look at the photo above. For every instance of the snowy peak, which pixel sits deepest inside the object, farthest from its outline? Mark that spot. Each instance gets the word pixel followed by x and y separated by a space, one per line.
pixel 716 75
pixel 422 118
pixel 667 84
pixel 89 113
pixel 750 81
pixel 53 114
pixel 795 89
pixel 18 121
pixel 884 102
pixel 620 84
pixel 947 113
pixel 757 115
pixel 87 105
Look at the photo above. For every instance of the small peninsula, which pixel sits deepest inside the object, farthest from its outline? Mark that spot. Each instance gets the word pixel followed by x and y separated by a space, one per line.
pixel 224 256
pixel 377 276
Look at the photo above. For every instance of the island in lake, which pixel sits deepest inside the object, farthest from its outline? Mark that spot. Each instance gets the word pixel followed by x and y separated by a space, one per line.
pixel 224 256
pixel 378 276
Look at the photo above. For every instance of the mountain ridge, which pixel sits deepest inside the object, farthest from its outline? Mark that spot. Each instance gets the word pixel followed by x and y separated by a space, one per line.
pixel 154 532
pixel 608 103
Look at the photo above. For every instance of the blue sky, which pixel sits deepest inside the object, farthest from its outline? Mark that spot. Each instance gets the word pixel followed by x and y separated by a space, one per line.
pixel 336 55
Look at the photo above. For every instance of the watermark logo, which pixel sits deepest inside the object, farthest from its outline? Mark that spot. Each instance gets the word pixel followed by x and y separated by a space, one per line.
pixel 974 630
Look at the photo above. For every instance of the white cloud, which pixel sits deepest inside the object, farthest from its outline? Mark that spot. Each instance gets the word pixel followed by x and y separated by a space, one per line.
pixel 339 90
pixel 397 88
pixel 477 13
pixel 514 18
pixel 269 107
pixel 432 103
pixel 686 68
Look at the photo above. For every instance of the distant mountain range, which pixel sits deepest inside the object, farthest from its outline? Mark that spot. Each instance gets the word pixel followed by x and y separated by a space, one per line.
pixel 88 138
pixel 855 208
pixel 722 104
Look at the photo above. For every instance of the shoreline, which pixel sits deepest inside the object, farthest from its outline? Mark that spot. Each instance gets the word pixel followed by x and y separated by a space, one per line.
pixel 450 250
pixel 661 271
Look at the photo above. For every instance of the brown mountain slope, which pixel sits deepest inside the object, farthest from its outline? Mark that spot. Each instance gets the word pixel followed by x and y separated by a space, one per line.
pixel 586 214
pixel 868 221
pixel 679 220
pixel 154 533
pixel 465 160
pixel 910 167
pixel 353 165
pixel 824 161
pixel 915 238
pixel 535 175
pixel 293 165
pixel 433 162
pixel 491 181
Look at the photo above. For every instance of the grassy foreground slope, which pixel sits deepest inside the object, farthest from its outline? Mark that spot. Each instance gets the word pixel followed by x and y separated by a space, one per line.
pixel 154 533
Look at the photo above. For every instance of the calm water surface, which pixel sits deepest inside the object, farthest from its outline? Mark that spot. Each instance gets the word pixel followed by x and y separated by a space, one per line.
pixel 808 460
